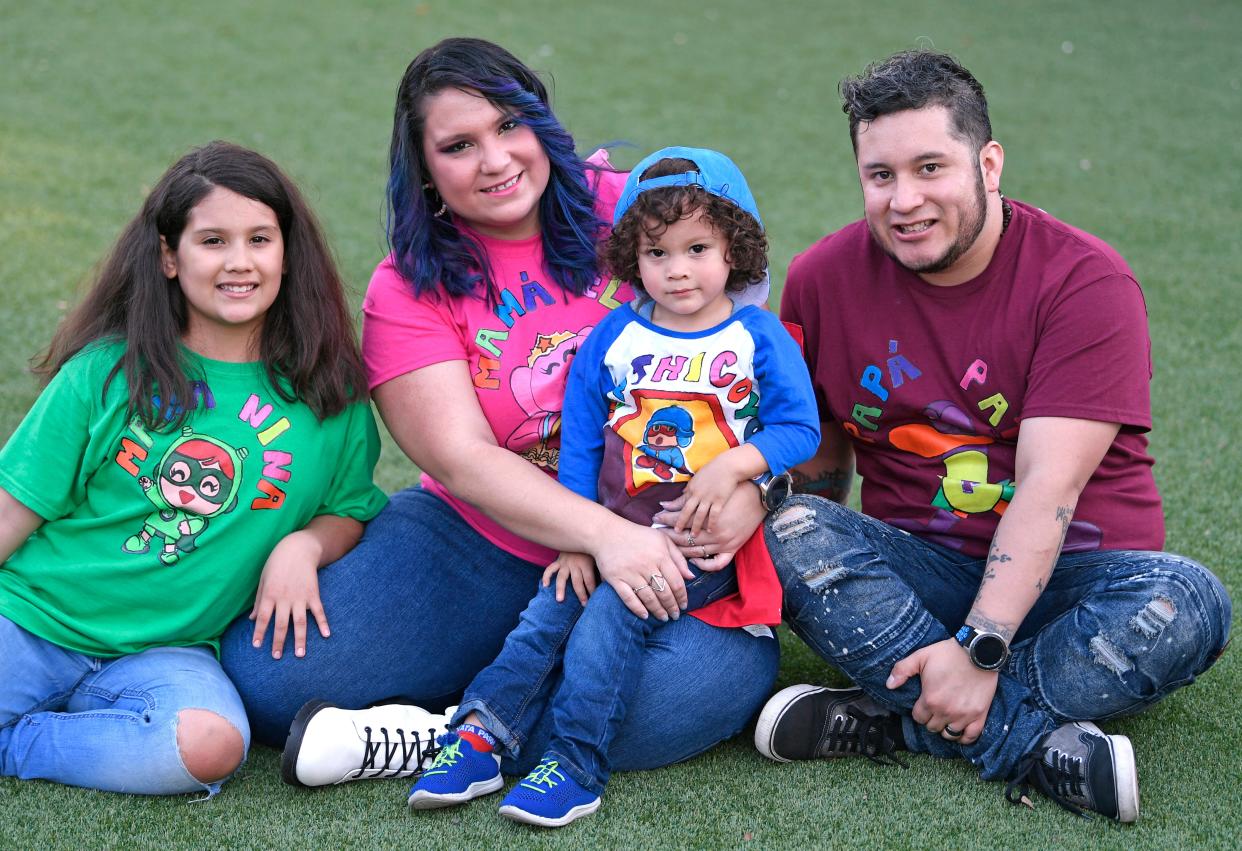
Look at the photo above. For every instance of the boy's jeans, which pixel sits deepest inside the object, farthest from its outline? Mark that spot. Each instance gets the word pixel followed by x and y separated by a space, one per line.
pixel 601 647
pixel 1114 631
pixel 107 724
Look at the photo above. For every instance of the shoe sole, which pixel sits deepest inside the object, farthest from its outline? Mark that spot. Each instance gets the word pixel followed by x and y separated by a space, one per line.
pixel 773 711
pixel 293 744
pixel 424 800
pixel 518 814
pixel 1125 774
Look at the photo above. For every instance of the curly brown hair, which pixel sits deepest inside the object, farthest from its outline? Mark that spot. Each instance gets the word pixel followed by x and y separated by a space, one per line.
pixel 654 210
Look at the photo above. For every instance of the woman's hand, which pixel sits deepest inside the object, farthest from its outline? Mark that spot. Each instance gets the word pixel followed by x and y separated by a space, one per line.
pixel 713 549
pixel 288 589
pixel 644 568
pixel 575 568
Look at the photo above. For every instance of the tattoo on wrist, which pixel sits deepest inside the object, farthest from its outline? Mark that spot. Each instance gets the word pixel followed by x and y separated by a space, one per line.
pixel 828 483
pixel 984 624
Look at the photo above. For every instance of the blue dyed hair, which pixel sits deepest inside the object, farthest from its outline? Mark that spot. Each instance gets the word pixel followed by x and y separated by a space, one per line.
pixel 430 251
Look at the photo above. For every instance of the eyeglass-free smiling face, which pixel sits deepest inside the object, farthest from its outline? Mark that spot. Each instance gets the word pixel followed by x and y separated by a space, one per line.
pixel 926 194
pixel 229 262
pixel 488 167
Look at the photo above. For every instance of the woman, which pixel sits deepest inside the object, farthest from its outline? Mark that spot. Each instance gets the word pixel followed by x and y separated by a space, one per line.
pixel 470 324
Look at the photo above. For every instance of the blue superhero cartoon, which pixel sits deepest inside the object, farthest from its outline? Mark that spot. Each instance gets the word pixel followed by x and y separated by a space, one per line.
pixel 670 430
pixel 197 478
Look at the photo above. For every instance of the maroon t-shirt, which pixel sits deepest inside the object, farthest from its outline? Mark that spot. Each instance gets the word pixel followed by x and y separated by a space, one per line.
pixel 932 383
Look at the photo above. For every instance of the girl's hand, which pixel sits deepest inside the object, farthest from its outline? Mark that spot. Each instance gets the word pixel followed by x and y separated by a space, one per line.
pixel 706 494
pixel 714 548
pixel 288 588
pixel 631 557
pixel 578 568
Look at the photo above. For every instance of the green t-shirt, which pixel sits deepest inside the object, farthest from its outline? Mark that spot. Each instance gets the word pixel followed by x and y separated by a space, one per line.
pixel 157 539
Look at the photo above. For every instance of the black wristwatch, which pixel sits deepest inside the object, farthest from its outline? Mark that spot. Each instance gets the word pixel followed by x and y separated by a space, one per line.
pixel 987 650
pixel 774 490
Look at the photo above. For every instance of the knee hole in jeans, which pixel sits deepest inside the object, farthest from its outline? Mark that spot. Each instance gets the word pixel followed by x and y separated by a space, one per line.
pixel 211 747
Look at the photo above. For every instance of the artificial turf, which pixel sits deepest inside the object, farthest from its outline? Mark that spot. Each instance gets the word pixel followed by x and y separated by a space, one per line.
pixel 1118 117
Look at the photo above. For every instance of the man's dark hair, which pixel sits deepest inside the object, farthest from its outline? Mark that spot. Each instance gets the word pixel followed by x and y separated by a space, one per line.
pixel 915 79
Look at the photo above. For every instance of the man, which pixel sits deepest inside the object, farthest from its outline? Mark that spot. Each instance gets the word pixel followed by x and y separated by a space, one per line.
pixel 988 367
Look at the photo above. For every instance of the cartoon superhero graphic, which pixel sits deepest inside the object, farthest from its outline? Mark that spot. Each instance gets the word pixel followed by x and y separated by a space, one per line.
pixel 197 478
pixel 539 389
pixel 670 430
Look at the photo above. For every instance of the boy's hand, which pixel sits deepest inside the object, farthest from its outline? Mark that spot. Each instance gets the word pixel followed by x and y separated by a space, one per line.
pixel 706 493
pixel 288 588
pixel 578 568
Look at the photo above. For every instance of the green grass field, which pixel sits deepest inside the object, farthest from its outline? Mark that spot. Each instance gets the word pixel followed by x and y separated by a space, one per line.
pixel 1116 116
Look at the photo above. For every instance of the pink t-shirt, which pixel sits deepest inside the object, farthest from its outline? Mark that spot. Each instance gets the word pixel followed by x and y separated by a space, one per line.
pixel 517 351
pixel 933 382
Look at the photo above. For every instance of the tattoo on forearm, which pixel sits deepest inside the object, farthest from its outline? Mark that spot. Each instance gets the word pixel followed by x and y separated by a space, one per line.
pixel 995 557
pixel 828 483
pixel 1065 513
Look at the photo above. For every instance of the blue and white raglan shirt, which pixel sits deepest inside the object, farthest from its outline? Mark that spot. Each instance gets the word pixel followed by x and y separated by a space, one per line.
pixel 646 407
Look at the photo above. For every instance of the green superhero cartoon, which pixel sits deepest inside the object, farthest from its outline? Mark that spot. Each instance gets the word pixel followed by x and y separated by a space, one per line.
pixel 197 478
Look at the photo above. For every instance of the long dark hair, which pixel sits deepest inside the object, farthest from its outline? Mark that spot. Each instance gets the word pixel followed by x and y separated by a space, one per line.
pixel 307 347
pixel 429 251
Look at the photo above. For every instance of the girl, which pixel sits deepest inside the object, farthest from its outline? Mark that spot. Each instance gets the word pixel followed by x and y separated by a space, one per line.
pixel 206 419
pixel 471 321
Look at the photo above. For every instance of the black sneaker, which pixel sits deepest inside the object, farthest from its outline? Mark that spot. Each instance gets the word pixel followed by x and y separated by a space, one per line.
pixel 1081 769
pixel 812 722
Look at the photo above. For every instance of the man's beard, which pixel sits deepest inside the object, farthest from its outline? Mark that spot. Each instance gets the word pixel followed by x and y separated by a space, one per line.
pixel 969 229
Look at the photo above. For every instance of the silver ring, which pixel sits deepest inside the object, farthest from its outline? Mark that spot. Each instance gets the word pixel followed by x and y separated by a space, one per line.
pixel 641 588
pixel 689 539
pixel 950 733
pixel 658 583
pixel 705 556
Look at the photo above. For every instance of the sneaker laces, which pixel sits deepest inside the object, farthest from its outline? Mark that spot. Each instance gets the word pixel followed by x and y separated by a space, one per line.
pixel 1055 773
pixel 446 755
pixel 388 748
pixel 547 773
pixel 864 734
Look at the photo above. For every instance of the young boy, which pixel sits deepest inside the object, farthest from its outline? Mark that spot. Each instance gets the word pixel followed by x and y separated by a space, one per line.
pixel 679 391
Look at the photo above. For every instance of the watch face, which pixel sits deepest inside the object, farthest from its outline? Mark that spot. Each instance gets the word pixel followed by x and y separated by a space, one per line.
pixel 778 491
pixel 988 651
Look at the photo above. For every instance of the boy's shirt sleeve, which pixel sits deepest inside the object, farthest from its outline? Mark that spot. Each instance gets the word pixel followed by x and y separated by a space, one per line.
pixel 585 410
pixel 353 492
pixel 787 408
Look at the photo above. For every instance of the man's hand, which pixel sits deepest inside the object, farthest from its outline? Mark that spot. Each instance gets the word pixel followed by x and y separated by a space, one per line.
pixel 954 691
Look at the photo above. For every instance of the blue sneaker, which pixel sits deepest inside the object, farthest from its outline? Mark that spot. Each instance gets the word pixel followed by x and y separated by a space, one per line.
pixel 548 798
pixel 459 774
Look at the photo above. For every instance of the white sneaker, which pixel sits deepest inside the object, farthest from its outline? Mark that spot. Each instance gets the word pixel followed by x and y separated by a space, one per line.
pixel 328 745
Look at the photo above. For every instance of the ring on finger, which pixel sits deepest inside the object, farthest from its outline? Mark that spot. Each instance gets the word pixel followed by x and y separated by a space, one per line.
pixel 949 733
pixel 705 556
pixel 658 583
pixel 689 539
pixel 641 588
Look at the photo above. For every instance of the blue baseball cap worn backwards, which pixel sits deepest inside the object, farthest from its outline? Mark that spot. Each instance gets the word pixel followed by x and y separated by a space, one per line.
pixel 717 174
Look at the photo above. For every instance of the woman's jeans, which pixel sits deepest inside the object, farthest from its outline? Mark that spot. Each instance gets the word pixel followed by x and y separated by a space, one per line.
pixel 107 724
pixel 592 656
pixel 1114 631
pixel 424 603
